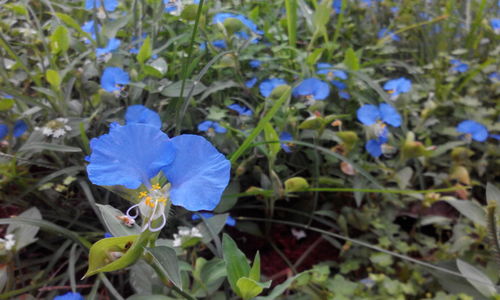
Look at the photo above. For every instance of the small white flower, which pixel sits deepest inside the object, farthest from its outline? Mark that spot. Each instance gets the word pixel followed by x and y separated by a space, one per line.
pixel 8 242
pixel 55 128
pixel 298 234
pixel 184 234
pixel 47 131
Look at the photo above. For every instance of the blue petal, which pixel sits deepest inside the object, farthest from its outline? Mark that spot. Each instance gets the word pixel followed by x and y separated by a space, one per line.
pixel 255 63
pixel 219 44
pixel 4 130
pixel 230 221
pixel 312 87
pixel 251 82
pixel 389 115
pixel 129 155
pixel 218 128
pixel 112 77
pixel 374 147
pixel 344 95
pixel 205 126
pixel 368 114
pixel 267 86
pixel 69 296
pixel 112 45
pixel 477 130
pixel 20 127
pixel 142 115
pixel 109 5
pixel 495 136
pixel 285 136
pixel 199 173
pixel 240 109
pixel 339 84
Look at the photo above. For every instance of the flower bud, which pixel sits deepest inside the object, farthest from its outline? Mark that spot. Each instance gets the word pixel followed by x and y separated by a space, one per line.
pixel 296 184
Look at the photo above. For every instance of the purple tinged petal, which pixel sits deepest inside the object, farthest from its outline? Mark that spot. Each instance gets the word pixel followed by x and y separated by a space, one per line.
pixel 199 173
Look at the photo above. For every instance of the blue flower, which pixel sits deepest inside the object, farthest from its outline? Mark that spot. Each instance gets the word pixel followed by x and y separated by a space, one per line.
pixel 395 87
pixel 476 130
pixel 337 6
pixel 221 17
pixel 285 137
pixel 6 96
pixel 240 109
pixel 107 235
pixel 330 71
pixel 230 221
pixel 112 45
pixel 495 24
pixel 4 130
pixel 339 85
pixel 255 63
pixel 113 78
pixel 208 126
pixel 20 128
pixel 344 95
pixel 385 32
pixel 495 136
pixel 69 296
pixel 142 115
pixel 369 114
pixel 495 76
pixel 251 82
pixel 267 86
pixel 375 146
pixel 109 5
pixel 221 44
pixel 458 66
pixel 89 28
pixel 312 88
pixel 132 154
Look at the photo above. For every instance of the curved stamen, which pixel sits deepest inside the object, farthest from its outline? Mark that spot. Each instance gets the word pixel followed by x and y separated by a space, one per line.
pixel 136 212
pixel 164 221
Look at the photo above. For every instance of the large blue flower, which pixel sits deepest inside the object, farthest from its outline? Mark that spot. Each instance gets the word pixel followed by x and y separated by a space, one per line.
pixel 240 109
pixel 109 5
pixel 221 17
pixel 4 130
pixel 398 86
pixel 230 221
pixel 69 296
pixel 113 44
pixel 142 115
pixel 211 126
pixel 113 78
pixel 267 86
pixel 312 88
pixel 132 154
pixel 476 130
pixel 330 71
pixel 369 114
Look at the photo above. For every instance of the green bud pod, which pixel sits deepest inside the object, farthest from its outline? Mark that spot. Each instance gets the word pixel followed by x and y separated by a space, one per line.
pixel 296 184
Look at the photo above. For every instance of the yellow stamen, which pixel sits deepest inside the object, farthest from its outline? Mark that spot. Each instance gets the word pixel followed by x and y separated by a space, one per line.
pixel 391 91
pixel 143 194
pixel 156 187
pixel 162 200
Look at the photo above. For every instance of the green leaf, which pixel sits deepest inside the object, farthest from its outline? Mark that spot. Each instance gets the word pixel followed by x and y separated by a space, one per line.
pixel 113 224
pixel 145 51
pixel 351 60
pixel 111 28
pixel 150 71
pixel 477 278
pixel 255 270
pixel 174 90
pixel 166 260
pixel 25 234
pixel 149 297
pixel 6 104
pixel 493 194
pixel 313 58
pixel 470 209
pixel 69 21
pixel 236 263
pixel 160 65
pixel 115 253
pixel 59 40
pixel 271 135
pixel 18 9
pixel 281 288
pixel 53 78
pixel 250 288
pixel 50 147
pixel 322 15
pixel 211 227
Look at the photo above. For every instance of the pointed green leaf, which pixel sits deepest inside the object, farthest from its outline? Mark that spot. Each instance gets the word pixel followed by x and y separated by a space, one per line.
pixel 250 288
pixel 59 40
pixel 6 104
pixel 271 136
pixel 145 51
pixel 351 60
pixel 211 227
pixel 236 262
pixel 53 78
pixel 477 278
pixel 166 259
pixel 255 270
pixel 25 234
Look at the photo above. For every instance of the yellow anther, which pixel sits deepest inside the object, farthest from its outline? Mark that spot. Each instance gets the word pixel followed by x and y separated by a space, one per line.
pixel 143 194
pixel 391 91
pixel 156 187
pixel 162 200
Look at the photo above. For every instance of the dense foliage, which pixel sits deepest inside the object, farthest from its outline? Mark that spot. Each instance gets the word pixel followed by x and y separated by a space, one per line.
pixel 298 149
